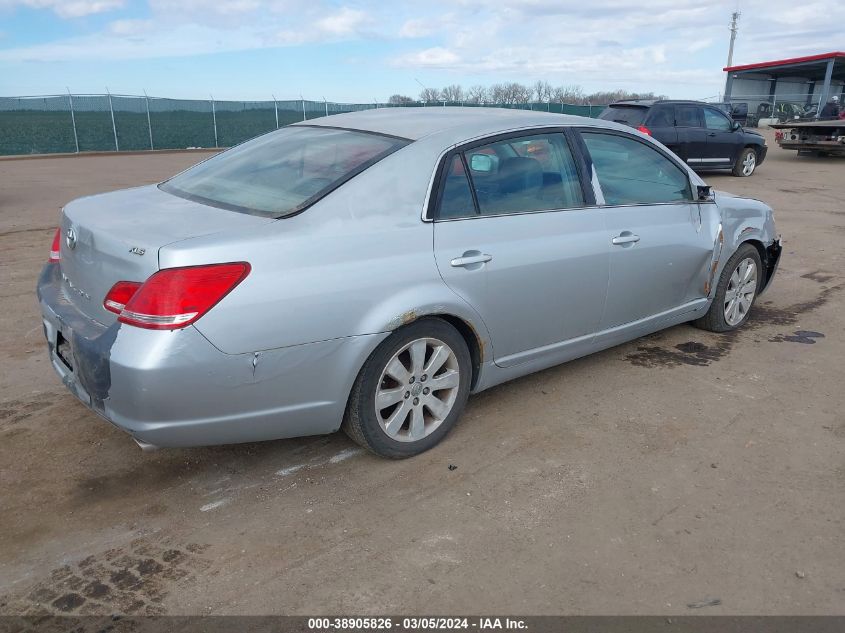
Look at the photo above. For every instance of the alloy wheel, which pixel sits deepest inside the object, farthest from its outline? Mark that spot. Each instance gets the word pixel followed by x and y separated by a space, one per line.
pixel 417 389
pixel 740 292
pixel 749 164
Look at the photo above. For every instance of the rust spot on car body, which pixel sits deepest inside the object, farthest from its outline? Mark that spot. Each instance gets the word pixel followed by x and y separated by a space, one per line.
pixel 409 316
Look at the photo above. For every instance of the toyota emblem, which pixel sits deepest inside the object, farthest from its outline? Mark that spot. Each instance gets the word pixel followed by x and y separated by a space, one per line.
pixel 70 238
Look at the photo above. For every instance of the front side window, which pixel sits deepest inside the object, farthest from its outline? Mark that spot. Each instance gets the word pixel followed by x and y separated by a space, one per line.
pixel 631 172
pixel 514 175
pixel 714 120
pixel 282 172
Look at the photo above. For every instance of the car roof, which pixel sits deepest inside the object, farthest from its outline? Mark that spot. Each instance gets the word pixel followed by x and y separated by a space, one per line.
pixel 647 103
pixel 452 122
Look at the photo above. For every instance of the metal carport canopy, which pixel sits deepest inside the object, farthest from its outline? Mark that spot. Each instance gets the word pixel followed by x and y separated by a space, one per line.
pixel 824 67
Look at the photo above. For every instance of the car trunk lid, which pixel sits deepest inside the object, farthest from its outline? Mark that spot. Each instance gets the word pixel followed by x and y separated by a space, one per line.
pixel 117 236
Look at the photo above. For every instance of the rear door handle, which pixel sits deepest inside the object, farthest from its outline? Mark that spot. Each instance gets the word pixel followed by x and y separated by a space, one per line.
pixel 469 260
pixel 626 237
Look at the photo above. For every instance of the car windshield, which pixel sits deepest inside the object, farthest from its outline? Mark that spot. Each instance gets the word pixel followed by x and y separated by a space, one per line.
pixel 283 172
pixel 630 115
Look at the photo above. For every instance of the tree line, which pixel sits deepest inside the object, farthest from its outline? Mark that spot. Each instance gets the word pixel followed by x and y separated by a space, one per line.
pixel 515 93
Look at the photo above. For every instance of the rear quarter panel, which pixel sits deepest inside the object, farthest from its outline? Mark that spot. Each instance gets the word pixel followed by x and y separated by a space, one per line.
pixel 360 261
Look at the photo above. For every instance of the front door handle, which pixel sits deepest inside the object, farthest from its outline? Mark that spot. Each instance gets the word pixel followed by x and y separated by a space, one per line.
pixel 626 237
pixel 469 260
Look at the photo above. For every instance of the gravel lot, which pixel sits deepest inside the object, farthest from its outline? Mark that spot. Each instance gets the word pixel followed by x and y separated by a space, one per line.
pixel 675 469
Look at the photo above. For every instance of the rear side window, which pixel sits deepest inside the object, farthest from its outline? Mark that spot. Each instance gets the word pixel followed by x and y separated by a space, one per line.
pixel 282 172
pixel 514 175
pixel 631 172
pixel 687 116
pixel 457 195
pixel 629 115
pixel 661 116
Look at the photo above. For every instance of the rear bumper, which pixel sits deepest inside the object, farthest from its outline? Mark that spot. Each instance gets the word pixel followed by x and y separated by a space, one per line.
pixel 831 147
pixel 174 388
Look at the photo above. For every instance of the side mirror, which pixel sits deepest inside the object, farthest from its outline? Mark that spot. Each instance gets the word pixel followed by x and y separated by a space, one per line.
pixel 705 193
pixel 481 162
pixel 736 126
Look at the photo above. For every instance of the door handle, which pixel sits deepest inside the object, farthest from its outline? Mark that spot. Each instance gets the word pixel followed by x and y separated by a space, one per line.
pixel 626 237
pixel 469 260
pixel 712 134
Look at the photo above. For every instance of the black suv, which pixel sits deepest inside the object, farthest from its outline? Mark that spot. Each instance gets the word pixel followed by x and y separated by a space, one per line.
pixel 699 133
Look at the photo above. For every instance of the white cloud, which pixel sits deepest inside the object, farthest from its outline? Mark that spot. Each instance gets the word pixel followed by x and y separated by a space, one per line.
pixel 436 57
pixel 67 8
pixel 131 27
pixel 149 43
pixel 345 22
pixel 417 28
pixel 225 7
pixel 425 27
pixel 672 46
pixel 699 45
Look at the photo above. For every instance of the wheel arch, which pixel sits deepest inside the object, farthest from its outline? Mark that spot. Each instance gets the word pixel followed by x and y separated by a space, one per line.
pixel 432 300
pixel 755 146
pixel 474 343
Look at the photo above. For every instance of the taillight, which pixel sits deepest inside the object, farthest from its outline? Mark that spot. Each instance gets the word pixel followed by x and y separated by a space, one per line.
pixel 56 248
pixel 119 295
pixel 175 297
pixel 644 130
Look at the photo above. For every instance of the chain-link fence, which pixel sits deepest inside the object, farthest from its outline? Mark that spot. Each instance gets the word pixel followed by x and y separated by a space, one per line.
pixel 88 123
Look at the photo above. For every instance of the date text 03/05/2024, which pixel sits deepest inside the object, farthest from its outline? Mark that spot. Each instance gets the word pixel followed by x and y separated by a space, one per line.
pixel 415 623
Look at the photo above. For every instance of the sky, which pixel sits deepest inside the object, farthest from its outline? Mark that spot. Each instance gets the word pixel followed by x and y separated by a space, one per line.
pixel 367 50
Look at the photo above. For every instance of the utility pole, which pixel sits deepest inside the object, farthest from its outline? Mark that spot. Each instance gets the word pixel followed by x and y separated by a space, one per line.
pixel 729 78
pixel 734 20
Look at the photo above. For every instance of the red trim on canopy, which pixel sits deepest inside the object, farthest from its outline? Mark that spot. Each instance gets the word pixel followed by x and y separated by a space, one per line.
pixel 786 62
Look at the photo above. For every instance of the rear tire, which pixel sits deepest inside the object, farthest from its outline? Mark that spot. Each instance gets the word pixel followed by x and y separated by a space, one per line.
pixel 411 391
pixel 735 294
pixel 745 163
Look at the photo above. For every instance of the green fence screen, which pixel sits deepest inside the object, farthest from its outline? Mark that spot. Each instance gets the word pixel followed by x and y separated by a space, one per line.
pixel 98 123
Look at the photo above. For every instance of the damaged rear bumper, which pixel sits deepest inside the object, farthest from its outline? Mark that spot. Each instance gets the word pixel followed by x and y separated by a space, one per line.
pixel 174 388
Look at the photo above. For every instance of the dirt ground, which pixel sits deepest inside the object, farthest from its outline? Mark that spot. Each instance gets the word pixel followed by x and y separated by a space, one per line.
pixel 675 469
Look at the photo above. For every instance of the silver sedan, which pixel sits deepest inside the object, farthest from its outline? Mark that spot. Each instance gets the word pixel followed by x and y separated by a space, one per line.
pixel 369 271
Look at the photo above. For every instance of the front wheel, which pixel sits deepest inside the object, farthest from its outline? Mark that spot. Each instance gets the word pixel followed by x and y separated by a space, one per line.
pixel 745 163
pixel 738 286
pixel 411 390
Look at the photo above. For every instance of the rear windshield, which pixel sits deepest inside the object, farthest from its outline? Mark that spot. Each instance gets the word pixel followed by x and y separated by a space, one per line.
pixel 282 172
pixel 630 115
